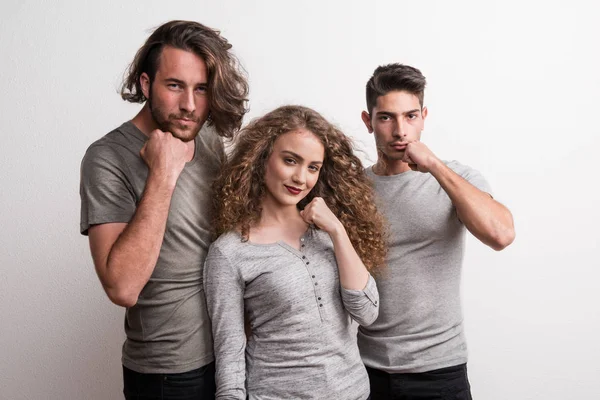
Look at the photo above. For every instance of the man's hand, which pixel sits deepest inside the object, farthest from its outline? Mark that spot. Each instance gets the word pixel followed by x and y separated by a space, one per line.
pixel 165 155
pixel 419 157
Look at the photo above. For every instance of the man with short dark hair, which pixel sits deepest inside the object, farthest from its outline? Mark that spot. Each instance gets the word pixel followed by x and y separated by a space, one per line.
pixel 416 348
pixel 146 204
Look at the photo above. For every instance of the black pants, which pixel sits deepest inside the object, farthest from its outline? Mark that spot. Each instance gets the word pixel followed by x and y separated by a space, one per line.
pixel 198 384
pixel 440 384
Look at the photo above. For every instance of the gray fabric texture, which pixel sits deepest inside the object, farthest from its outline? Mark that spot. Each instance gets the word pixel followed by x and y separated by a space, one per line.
pixel 420 323
pixel 168 330
pixel 302 343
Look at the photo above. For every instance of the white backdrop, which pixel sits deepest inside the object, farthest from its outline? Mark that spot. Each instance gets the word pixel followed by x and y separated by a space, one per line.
pixel 513 90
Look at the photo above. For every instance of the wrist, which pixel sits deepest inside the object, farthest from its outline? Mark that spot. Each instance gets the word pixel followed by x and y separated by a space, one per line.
pixel 436 166
pixel 161 180
pixel 338 231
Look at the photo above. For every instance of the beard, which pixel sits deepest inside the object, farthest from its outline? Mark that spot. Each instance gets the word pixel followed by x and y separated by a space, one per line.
pixel 170 122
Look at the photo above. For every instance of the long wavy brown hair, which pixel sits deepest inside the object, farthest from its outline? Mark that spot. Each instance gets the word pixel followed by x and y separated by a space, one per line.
pixel 342 182
pixel 227 84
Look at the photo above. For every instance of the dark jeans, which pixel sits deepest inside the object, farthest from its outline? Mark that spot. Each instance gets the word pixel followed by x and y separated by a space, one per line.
pixel 449 383
pixel 198 384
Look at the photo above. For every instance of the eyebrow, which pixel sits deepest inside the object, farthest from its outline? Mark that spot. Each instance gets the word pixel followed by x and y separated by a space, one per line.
pixel 298 156
pixel 392 114
pixel 179 81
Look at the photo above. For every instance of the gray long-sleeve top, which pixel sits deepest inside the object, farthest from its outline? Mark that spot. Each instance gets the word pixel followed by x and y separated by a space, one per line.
pixel 302 344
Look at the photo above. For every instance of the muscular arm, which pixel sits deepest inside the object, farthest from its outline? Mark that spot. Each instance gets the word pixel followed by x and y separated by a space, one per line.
pixel 488 220
pixel 125 254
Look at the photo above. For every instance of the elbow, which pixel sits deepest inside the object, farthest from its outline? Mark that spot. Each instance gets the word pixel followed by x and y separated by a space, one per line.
pixel 503 240
pixel 367 320
pixel 121 297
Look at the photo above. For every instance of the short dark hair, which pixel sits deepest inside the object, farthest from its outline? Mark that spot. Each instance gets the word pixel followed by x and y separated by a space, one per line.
pixel 392 77
pixel 227 85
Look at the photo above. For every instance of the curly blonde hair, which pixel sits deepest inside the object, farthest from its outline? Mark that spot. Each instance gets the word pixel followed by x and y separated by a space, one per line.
pixel 342 182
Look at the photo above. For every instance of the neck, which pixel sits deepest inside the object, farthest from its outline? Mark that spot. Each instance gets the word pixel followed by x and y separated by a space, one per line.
pixel 144 120
pixel 387 167
pixel 276 214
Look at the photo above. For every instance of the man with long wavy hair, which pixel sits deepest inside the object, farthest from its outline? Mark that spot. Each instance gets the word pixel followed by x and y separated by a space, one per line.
pixel 146 205
pixel 416 349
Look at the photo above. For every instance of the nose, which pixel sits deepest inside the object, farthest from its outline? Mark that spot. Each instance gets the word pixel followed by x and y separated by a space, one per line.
pixel 400 129
pixel 187 102
pixel 299 176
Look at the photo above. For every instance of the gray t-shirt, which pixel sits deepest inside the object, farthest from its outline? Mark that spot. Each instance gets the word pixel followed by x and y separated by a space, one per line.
pixel 302 345
pixel 420 323
pixel 168 330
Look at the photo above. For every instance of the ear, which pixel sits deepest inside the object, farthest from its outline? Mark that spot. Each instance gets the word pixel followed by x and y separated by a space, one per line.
pixel 367 121
pixel 145 84
pixel 424 112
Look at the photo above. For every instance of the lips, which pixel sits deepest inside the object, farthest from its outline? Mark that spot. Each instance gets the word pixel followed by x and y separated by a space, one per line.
pixel 399 146
pixel 185 121
pixel 293 190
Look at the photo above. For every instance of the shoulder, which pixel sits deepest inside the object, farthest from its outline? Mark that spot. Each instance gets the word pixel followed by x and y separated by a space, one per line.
pixel 117 143
pixel 470 174
pixel 226 244
pixel 459 168
pixel 211 145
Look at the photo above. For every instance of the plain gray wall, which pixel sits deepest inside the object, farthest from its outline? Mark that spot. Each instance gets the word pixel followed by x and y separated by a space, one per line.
pixel 513 91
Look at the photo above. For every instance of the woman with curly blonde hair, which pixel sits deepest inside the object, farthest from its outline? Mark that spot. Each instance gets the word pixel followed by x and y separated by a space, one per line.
pixel 299 236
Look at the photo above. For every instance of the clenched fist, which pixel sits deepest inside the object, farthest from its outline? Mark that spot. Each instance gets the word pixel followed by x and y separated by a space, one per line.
pixel 419 157
pixel 316 212
pixel 166 155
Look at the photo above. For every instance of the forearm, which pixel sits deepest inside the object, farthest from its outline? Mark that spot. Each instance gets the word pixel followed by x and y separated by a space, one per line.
pixel 134 254
pixel 488 220
pixel 353 273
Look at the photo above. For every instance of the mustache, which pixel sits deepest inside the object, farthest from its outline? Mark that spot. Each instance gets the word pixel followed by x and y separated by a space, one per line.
pixel 191 117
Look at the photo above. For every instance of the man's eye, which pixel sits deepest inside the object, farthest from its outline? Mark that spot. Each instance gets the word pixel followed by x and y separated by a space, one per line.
pixel 173 85
pixel 201 89
pixel 289 161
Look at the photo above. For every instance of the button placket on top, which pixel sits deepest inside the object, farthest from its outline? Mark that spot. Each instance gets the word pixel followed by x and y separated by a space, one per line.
pixel 314 279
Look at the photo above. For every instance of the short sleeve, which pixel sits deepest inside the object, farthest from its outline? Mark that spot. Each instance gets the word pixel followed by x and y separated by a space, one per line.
pixel 106 192
pixel 472 176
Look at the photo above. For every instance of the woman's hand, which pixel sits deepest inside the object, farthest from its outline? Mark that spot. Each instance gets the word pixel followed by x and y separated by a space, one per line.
pixel 316 212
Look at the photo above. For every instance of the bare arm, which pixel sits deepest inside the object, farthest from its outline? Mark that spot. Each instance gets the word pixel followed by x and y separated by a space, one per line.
pixel 488 220
pixel 125 254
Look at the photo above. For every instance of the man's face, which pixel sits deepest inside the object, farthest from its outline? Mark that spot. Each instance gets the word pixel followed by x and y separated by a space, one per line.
pixel 178 95
pixel 396 120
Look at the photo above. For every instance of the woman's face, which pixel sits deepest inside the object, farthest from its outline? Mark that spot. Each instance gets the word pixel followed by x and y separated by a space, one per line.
pixel 293 167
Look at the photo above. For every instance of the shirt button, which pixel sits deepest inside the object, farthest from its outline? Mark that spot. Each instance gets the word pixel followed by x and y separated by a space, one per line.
pixel 320 305
pixel 302 246
pixel 319 298
pixel 313 276
pixel 316 283
pixel 308 262
pixel 303 257
pixel 302 239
